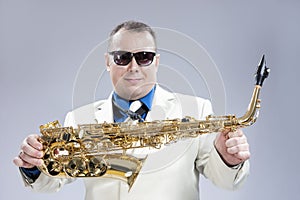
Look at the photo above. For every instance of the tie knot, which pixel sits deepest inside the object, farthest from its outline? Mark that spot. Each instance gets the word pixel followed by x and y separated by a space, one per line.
pixel 135 105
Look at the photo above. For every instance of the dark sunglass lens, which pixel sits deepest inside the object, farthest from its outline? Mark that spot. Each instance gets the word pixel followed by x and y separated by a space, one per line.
pixel 144 58
pixel 122 57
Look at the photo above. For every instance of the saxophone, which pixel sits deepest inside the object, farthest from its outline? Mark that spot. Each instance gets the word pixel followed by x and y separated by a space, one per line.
pixel 99 150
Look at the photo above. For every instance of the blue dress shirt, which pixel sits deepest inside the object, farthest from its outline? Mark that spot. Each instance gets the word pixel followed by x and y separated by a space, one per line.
pixel 121 116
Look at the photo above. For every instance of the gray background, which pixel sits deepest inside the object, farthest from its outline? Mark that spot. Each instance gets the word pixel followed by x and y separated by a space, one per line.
pixel 43 44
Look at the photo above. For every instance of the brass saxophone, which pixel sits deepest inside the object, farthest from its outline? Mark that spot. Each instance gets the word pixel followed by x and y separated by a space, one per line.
pixel 99 150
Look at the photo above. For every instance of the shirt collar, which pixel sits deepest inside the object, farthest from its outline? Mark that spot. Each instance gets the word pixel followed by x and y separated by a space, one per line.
pixel 147 100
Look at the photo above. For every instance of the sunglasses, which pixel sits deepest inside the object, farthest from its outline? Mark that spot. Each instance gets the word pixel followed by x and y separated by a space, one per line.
pixel 142 58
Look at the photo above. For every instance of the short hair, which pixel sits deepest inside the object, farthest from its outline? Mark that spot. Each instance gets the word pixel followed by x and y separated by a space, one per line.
pixel 134 26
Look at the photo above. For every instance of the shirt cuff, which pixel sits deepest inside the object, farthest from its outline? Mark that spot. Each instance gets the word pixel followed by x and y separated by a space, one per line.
pixel 29 174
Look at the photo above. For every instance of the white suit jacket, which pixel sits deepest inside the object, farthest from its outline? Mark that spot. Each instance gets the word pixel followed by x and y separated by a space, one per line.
pixel 170 173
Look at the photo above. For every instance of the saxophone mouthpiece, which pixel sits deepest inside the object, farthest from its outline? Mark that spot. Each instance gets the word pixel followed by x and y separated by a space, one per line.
pixel 262 71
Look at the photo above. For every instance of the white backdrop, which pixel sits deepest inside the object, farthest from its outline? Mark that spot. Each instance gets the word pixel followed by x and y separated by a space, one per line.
pixel 44 43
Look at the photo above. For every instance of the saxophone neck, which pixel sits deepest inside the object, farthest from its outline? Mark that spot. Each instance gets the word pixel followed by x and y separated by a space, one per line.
pixel 253 109
pixel 250 116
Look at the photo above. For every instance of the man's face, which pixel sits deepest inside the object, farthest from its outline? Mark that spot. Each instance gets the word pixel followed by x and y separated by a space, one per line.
pixel 132 81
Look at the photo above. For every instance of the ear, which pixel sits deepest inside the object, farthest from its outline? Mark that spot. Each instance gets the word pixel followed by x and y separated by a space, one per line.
pixel 107 62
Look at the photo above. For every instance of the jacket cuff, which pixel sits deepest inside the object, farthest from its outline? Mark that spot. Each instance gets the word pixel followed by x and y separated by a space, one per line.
pixel 224 176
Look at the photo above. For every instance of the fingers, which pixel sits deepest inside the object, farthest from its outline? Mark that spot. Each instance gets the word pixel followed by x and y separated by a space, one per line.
pixel 238 148
pixel 243 155
pixel 30 153
pixel 232 146
pixel 18 161
pixel 236 141
pixel 237 145
pixel 30 160
pixel 32 140
pixel 237 133
pixel 240 151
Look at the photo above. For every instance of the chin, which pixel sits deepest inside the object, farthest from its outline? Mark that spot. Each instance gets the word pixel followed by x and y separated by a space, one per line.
pixel 134 92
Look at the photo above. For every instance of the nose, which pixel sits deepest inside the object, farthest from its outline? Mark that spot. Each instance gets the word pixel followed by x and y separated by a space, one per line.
pixel 133 66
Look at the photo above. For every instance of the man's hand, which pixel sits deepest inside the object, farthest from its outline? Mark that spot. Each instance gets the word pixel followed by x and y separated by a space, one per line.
pixel 232 147
pixel 30 153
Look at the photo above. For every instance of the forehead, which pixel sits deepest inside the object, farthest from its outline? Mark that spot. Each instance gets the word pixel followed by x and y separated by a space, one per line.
pixel 132 41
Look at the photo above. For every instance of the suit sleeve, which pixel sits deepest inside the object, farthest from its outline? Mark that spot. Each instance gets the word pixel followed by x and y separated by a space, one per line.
pixel 210 164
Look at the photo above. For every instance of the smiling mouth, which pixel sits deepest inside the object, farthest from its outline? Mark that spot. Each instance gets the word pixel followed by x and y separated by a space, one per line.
pixel 133 80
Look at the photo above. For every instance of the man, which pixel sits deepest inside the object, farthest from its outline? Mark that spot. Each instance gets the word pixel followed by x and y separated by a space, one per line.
pixel 132 62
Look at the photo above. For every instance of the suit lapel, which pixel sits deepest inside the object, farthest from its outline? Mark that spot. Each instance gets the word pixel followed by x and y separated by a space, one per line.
pixel 164 106
pixel 104 111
